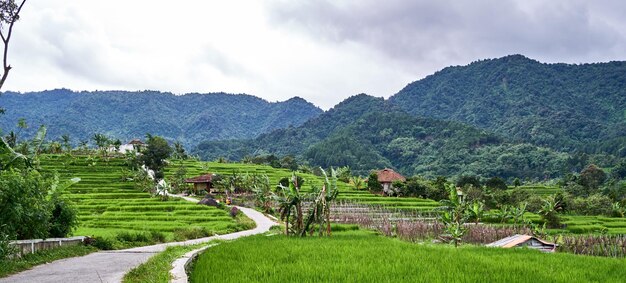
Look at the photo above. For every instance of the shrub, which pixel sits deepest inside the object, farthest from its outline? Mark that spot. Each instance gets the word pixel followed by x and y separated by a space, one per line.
pixel 24 210
pixel 372 183
pixel 101 243
pixel 595 204
pixel 63 219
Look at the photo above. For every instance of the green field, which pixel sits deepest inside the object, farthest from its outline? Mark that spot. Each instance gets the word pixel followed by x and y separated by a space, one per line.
pixel 539 190
pixel 347 191
pixel 360 256
pixel 594 224
pixel 108 206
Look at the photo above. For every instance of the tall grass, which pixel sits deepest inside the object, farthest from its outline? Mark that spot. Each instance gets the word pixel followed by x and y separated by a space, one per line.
pixel 364 257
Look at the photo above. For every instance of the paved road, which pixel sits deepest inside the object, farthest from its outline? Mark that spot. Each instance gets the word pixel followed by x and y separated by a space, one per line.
pixel 110 266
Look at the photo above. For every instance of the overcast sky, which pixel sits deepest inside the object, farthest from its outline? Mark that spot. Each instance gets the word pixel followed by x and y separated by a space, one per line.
pixel 323 51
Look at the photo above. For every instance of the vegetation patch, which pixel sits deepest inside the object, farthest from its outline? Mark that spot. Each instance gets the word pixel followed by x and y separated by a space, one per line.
pixel 157 269
pixel 359 256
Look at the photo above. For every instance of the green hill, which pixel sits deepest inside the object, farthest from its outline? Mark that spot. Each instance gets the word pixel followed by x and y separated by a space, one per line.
pixel 365 132
pixel 188 118
pixel 566 107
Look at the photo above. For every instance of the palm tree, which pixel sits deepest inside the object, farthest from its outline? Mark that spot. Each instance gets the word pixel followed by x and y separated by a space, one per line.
pixel 101 141
pixel 65 139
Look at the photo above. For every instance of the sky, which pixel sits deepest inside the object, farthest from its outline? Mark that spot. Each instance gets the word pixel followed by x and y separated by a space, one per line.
pixel 323 51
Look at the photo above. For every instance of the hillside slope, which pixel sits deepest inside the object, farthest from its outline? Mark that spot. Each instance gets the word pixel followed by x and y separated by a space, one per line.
pixel 365 132
pixel 189 118
pixel 562 106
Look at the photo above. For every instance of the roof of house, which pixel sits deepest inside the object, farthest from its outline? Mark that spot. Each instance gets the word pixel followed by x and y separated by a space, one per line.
pixel 388 175
pixel 517 240
pixel 136 141
pixel 206 178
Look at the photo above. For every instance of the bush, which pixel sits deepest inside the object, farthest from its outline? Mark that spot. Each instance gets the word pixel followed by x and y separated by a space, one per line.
pixel 595 204
pixel 24 210
pixel 101 243
pixel 63 219
pixel 5 248
pixel 372 183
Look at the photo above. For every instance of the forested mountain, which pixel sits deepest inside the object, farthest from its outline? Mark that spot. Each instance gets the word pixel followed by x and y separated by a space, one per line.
pixel 364 132
pixel 565 107
pixel 189 118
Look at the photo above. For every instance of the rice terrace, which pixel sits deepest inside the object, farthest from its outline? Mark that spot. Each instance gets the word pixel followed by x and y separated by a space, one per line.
pixel 312 141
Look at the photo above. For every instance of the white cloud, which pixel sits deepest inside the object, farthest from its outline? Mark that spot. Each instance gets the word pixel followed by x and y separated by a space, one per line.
pixel 323 51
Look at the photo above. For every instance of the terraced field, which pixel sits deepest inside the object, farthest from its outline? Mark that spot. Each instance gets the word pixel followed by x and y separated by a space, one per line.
pixel 347 191
pixel 594 224
pixel 108 205
pixel 540 190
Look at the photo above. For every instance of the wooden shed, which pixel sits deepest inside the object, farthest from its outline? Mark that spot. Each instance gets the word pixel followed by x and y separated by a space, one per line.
pixel 524 241
pixel 202 182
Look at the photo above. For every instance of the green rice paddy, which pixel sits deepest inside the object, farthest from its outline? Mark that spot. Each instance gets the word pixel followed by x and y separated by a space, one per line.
pixel 107 205
pixel 359 256
pixel 347 191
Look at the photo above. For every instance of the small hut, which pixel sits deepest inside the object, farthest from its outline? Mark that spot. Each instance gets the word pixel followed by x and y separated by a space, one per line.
pixel 202 182
pixel 386 177
pixel 524 241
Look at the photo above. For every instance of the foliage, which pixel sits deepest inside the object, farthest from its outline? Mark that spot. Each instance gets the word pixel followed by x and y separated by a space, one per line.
pixel 319 212
pixel 357 182
pixel 177 181
pixel 24 208
pixel 373 185
pixel 263 192
pixel 453 214
pixel 556 100
pixel 379 135
pixel 157 150
pixel 496 183
pixel 549 212
pixel 157 268
pixel 592 177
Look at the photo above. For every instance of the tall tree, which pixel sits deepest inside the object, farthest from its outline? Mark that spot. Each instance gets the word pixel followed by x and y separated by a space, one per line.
pixel 155 154
pixel 9 14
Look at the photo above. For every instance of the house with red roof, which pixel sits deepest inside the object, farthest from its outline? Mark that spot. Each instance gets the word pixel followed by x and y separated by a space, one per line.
pixel 386 177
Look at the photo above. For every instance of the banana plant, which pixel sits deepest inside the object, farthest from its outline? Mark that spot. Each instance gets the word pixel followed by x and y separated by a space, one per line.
pixel 10 158
pixel 476 211
pixel 453 214
pixel 289 201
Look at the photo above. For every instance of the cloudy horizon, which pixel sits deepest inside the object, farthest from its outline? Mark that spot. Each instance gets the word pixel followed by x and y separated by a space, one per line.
pixel 322 51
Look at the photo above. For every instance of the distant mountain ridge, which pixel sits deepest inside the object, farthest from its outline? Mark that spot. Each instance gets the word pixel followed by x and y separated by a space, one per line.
pixel 188 118
pixel 566 107
pixel 365 132
pixel 540 120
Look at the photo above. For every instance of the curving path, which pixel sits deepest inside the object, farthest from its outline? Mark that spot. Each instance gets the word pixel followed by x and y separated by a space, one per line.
pixel 110 266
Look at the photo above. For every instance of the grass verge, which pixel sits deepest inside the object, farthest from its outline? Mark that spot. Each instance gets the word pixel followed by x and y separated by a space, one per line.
pixel 28 261
pixel 157 268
